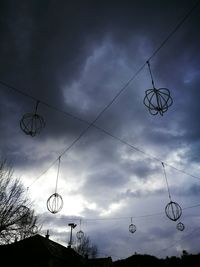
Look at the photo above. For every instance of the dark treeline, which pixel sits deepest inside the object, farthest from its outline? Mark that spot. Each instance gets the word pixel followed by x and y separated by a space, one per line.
pixel 138 260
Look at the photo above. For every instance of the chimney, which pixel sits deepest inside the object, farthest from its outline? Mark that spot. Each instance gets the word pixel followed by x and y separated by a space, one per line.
pixel 47 234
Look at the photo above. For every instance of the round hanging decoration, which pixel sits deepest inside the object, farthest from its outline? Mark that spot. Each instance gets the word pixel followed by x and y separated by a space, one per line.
pixel 180 226
pixel 80 235
pixel 173 211
pixel 157 100
pixel 132 228
pixel 32 123
pixel 54 203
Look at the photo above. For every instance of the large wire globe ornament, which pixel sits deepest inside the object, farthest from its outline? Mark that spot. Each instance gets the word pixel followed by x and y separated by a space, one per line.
pixel 32 123
pixel 132 228
pixel 180 226
pixel 173 211
pixel 80 235
pixel 54 203
pixel 157 100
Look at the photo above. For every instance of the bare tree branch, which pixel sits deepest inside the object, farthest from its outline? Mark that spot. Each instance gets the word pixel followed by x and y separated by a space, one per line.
pixel 17 219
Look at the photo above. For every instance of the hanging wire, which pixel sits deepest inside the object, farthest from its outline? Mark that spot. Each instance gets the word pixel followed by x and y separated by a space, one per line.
pixel 152 81
pixel 57 174
pixel 166 181
pixel 125 217
pixel 180 23
pixel 36 106
pixel 176 28
pixel 180 240
pixel 43 173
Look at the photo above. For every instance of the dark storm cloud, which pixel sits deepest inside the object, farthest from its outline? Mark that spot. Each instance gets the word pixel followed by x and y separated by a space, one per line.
pixel 59 40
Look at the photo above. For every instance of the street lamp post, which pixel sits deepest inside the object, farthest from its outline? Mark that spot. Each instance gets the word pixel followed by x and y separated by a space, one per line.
pixel 72 225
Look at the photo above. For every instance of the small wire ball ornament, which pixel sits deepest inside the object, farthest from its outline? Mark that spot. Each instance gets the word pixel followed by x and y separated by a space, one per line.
pixel 55 201
pixel 32 123
pixel 173 211
pixel 80 235
pixel 157 100
pixel 180 226
pixel 132 227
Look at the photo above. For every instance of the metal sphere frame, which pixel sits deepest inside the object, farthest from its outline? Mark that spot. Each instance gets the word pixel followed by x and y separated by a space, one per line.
pixel 173 211
pixel 80 235
pixel 132 228
pixel 157 100
pixel 180 226
pixel 54 203
pixel 32 124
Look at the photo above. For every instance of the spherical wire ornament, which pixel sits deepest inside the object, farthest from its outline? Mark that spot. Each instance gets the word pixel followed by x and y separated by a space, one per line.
pixel 80 235
pixel 32 124
pixel 157 100
pixel 132 228
pixel 54 203
pixel 180 226
pixel 173 211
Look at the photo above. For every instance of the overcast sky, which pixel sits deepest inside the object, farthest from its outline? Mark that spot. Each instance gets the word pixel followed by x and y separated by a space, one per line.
pixel 76 56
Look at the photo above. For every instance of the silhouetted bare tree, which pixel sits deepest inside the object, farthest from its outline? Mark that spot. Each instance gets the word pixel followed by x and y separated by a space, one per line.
pixel 17 219
pixel 86 248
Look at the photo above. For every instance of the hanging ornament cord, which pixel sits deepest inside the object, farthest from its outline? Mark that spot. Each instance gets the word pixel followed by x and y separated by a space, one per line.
pixel 57 175
pixel 33 121
pixel 36 106
pixel 35 114
pixel 152 81
pixel 131 220
pixel 80 224
pixel 166 181
pixel 154 88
